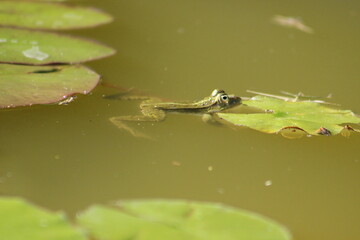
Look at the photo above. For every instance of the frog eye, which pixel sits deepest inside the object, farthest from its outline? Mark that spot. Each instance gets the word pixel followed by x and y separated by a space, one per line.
pixel 224 97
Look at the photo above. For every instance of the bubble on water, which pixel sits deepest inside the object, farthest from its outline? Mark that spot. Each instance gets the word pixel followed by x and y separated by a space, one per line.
pixel 220 190
pixel 268 183
pixel 176 163
pixel 181 30
pixel 35 53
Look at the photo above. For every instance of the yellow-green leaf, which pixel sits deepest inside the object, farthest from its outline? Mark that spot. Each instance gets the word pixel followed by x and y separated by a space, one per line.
pixel 40 48
pixel 20 220
pixel 311 117
pixel 178 220
pixel 28 85
pixel 37 15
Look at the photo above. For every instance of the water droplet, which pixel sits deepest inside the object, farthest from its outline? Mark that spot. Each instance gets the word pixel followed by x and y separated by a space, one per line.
pixel 72 16
pixel 35 53
pixel 39 23
pixel 57 23
pixel 43 223
pixel 220 190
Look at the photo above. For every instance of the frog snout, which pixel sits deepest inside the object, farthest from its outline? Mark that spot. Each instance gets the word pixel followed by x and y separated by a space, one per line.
pixel 235 100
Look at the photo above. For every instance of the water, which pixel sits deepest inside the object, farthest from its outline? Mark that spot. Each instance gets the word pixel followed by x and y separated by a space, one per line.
pixel 68 157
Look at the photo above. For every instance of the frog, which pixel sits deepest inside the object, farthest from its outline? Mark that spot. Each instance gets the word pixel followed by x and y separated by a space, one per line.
pixel 155 110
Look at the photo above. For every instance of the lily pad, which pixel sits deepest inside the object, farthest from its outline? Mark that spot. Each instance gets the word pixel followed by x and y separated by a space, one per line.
pixel 40 48
pixel 40 0
pixel 20 220
pixel 178 220
pixel 37 15
pixel 28 85
pixel 309 117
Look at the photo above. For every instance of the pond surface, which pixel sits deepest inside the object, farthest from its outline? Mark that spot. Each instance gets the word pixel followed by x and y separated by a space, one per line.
pixel 68 157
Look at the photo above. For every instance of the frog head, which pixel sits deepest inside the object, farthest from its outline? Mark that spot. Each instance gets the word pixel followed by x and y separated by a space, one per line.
pixel 221 100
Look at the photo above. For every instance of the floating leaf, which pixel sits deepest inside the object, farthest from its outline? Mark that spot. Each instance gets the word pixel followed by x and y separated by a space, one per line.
pixel 49 15
pixel 27 85
pixel 39 48
pixel 292 22
pixel 292 116
pixel 20 220
pixel 178 220
pixel 38 0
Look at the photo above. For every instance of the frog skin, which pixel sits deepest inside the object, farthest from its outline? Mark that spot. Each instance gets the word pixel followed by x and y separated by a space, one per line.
pixel 154 110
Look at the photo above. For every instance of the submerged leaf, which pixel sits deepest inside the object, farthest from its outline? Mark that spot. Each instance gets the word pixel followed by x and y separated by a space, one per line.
pixel 39 48
pixel 178 220
pixel 20 220
pixel 298 116
pixel 49 15
pixel 27 85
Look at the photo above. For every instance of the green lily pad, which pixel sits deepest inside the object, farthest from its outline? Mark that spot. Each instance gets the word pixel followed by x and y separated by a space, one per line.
pixel 28 85
pixel 39 48
pixel 37 15
pixel 178 220
pixel 39 0
pixel 308 117
pixel 20 220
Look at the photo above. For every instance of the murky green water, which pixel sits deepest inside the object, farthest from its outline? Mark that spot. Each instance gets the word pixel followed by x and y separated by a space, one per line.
pixel 67 157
